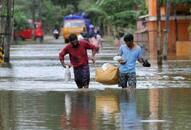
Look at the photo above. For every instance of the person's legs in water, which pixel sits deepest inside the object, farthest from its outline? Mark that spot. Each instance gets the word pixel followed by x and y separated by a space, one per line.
pixel 78 77
pixel 129 78
pixel 86 76
pixel 123 80
pixel 82 76
pixel 132 82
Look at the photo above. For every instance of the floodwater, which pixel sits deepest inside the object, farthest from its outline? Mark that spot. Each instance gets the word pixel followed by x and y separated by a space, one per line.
pixel 109 109
pixel 35 96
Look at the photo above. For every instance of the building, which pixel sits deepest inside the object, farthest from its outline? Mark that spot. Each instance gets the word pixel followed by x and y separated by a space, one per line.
pixel 179 42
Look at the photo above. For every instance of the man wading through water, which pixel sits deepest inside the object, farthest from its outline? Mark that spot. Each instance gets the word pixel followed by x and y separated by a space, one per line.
pixel 130 53
pixel 77 51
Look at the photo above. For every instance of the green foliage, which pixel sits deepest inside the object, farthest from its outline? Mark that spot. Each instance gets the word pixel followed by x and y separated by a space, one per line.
pixel 124 18
pixel 50 13
pixel 177 1
pixel 182 1
pixel 120 13
pixel 97 15
pixel 86 4
pixel 22 12
pixel 20 20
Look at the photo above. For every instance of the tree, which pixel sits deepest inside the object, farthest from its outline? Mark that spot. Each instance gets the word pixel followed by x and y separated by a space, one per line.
pixel 49 14
pixel 115 13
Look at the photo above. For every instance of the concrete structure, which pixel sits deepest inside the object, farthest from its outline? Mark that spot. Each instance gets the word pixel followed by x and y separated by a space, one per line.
pixel 179 36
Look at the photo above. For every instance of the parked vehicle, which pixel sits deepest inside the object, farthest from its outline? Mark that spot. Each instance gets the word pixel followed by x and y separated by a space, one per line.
pixel 33 30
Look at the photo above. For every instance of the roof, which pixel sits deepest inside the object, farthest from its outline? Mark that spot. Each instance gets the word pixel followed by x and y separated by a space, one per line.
pixel 73 17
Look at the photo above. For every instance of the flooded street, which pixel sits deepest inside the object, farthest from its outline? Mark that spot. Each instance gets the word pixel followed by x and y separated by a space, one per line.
pixel 35 96
pixel 110 109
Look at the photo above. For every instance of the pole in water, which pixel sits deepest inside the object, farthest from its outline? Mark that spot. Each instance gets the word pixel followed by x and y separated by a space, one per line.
pixel 1 55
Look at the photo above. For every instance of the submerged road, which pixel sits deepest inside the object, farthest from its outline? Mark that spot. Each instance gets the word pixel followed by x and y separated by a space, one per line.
pixel 37 67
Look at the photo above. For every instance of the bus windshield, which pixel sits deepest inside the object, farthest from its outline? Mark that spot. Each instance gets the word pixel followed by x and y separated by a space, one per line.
pixel 74 23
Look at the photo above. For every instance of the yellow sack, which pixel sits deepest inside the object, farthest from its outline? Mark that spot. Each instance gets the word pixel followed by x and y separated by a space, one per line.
pixel 108 76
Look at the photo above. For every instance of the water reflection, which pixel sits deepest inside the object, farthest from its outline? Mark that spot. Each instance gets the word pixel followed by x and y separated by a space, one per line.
pixel 78 112
pixel 107 110
pixel 129 117
pixel 154 108
pixel 6 105
pixel 110 109
pixel 101 110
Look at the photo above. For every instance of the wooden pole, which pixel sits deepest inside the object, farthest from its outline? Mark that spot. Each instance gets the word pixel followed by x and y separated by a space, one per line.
pixel 166 37
pixel 175 21
pixel 159 46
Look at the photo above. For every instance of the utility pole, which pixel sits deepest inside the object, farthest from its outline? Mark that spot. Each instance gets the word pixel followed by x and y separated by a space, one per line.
pixel 175 21
pixel 159 46
pixel 33 10
pixel 1 34
pixel 40 11
pixel 166 37
pixel 8 30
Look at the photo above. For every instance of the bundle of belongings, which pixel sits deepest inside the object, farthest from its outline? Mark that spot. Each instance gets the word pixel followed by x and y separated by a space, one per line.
pixel 107 74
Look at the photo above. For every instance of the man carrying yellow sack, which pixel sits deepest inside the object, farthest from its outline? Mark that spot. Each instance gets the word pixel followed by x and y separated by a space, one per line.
pixel 130 53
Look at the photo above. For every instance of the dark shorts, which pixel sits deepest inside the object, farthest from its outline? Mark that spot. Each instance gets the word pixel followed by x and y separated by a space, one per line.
pixel 129 78
pixel 82 76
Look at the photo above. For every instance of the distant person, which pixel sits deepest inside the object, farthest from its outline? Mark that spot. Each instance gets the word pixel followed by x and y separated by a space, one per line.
pixel 77 50
pixel 96 42
pixel 99 38
pixel 130 53
pixel 91 30
pixel 56 32
pixel 119 39
pixel 116 42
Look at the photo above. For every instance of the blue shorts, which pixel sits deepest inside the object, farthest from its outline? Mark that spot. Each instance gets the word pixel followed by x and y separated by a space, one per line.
pixel 129 78
pixel 82 76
